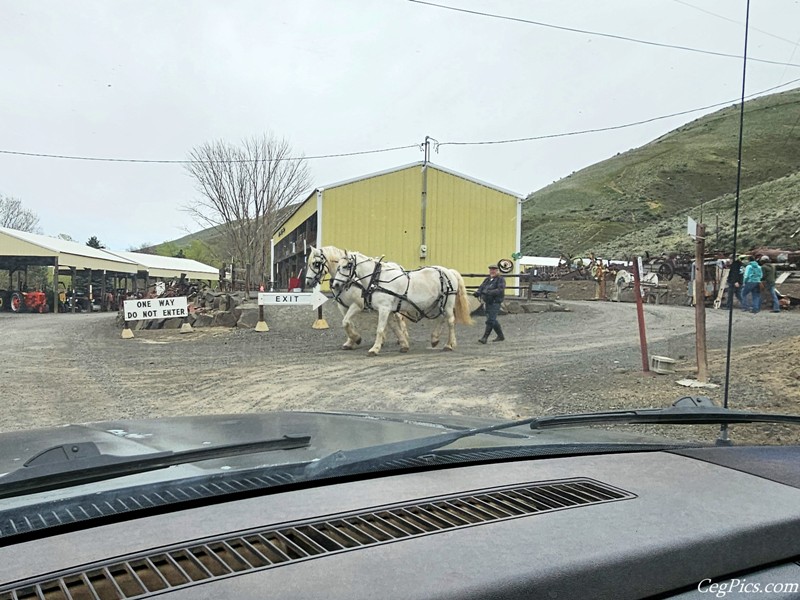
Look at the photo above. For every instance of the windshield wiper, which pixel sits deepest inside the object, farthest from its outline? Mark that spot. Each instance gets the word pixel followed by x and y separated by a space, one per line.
pixel 352 461
pixel 686 411
pixel 74 464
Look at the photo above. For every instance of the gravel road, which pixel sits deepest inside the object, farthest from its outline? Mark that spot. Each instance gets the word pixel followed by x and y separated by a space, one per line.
pixel 66 368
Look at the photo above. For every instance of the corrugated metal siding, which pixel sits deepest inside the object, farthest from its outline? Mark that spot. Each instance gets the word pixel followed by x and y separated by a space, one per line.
pixel 10 246
pixel 96 264
pixel 469 225
pixel 308 208
pixel 376 216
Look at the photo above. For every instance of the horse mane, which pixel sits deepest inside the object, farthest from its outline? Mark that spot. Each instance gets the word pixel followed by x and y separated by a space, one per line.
pixel 332 255
pixel 333 252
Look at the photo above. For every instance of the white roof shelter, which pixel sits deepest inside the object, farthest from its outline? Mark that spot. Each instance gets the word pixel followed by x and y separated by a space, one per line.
pixel 20 248
pixel 538 261
pixel 168 267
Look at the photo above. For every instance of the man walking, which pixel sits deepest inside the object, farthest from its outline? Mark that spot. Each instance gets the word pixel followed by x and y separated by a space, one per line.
pixel 491 292
pixel 735 281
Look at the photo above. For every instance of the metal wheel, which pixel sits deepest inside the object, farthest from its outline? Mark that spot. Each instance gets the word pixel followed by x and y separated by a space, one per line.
pixel 666 271
pixel 16 302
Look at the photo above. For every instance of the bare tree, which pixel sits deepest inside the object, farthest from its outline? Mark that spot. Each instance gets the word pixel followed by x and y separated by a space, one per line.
pixel 14 216
pixel 242 191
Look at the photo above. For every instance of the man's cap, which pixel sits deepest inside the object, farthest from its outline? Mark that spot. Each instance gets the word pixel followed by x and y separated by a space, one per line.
pixel 493 266
pixel 764 259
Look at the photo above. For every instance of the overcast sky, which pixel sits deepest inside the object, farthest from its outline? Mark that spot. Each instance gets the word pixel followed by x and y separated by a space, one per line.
pixel 152 79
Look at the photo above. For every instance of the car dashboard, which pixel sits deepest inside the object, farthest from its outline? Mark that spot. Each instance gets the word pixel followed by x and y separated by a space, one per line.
pixel 621 525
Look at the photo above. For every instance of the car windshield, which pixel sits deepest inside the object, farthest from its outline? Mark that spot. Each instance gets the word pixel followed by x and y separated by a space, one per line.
pixel 307 240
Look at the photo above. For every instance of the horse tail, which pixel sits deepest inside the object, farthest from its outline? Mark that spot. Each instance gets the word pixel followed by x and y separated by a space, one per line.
pixel 462 303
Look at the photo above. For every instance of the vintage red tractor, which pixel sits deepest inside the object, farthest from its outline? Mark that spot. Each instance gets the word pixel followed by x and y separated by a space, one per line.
pixel 17 301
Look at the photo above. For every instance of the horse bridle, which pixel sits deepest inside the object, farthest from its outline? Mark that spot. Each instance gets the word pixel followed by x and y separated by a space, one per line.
pixel 354 281
pixel 319 267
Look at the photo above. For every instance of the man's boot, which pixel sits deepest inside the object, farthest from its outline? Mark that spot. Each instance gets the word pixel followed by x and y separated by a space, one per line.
pixel 500 337
pixel 486 333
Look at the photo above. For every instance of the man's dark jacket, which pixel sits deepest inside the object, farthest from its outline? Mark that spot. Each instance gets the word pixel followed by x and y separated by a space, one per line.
pixel 492 291
pixel 735 275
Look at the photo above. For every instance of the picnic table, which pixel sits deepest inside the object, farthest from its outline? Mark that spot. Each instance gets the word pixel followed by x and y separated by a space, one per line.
pixel 543 288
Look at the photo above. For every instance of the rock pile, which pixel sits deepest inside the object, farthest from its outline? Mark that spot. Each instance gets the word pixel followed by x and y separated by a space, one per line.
pixel 209 309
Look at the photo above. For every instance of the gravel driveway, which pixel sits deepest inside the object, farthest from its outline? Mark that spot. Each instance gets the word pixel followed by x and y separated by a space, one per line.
pixel 66 368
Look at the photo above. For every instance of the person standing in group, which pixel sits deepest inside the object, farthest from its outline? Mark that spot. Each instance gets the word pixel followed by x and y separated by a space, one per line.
pixel 735 281
pixel 752 286
pixel 491 292
pixel 768 270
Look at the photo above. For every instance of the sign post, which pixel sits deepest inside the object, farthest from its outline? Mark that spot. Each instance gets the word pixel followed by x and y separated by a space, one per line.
pixel 637 290
pixel 320 323
pixel 261 326
pixel 314 299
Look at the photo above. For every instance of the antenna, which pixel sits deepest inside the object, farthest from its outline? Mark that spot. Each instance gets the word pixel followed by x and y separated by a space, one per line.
pixel 723 434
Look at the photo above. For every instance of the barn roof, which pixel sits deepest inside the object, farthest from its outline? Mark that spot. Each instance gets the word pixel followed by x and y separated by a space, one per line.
pixel 420 164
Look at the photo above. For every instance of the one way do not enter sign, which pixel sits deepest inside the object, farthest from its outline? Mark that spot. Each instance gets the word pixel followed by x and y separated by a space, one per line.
pixel 314 299
pixel 155 308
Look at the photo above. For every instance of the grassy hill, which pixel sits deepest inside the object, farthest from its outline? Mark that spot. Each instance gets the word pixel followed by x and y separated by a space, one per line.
pixel 642 197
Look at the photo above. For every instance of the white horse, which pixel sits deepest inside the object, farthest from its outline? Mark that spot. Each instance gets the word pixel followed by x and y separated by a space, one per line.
pixel 322 261
pixel 427 293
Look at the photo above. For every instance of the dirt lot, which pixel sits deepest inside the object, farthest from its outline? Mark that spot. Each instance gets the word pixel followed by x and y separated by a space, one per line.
pixel 60 369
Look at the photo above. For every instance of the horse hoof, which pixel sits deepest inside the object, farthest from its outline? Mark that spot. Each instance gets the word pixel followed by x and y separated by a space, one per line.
pixel 372 353
pixel 403 350
pixel 448 348
pixel 346 347
pixel 434 343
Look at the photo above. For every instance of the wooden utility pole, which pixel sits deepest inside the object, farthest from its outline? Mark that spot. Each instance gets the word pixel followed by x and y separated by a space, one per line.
pixel 700 303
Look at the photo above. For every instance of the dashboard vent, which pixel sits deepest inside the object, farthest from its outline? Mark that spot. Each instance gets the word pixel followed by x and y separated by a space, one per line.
pixel 86 508
pixel 144 575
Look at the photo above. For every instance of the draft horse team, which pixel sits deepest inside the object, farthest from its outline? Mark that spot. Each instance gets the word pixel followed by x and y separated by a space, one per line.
pixel 359 282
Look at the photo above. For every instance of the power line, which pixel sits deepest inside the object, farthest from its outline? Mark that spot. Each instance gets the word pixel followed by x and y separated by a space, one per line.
pixel 613 127
pixel 724 18
pixel 188 162
pixel 601 34
pixel 406 147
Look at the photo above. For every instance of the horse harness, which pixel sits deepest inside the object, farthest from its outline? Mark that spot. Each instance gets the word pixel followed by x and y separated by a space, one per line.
pixel 374 285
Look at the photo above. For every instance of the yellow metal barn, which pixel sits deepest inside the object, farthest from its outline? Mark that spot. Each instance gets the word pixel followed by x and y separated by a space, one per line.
pixel 415 215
